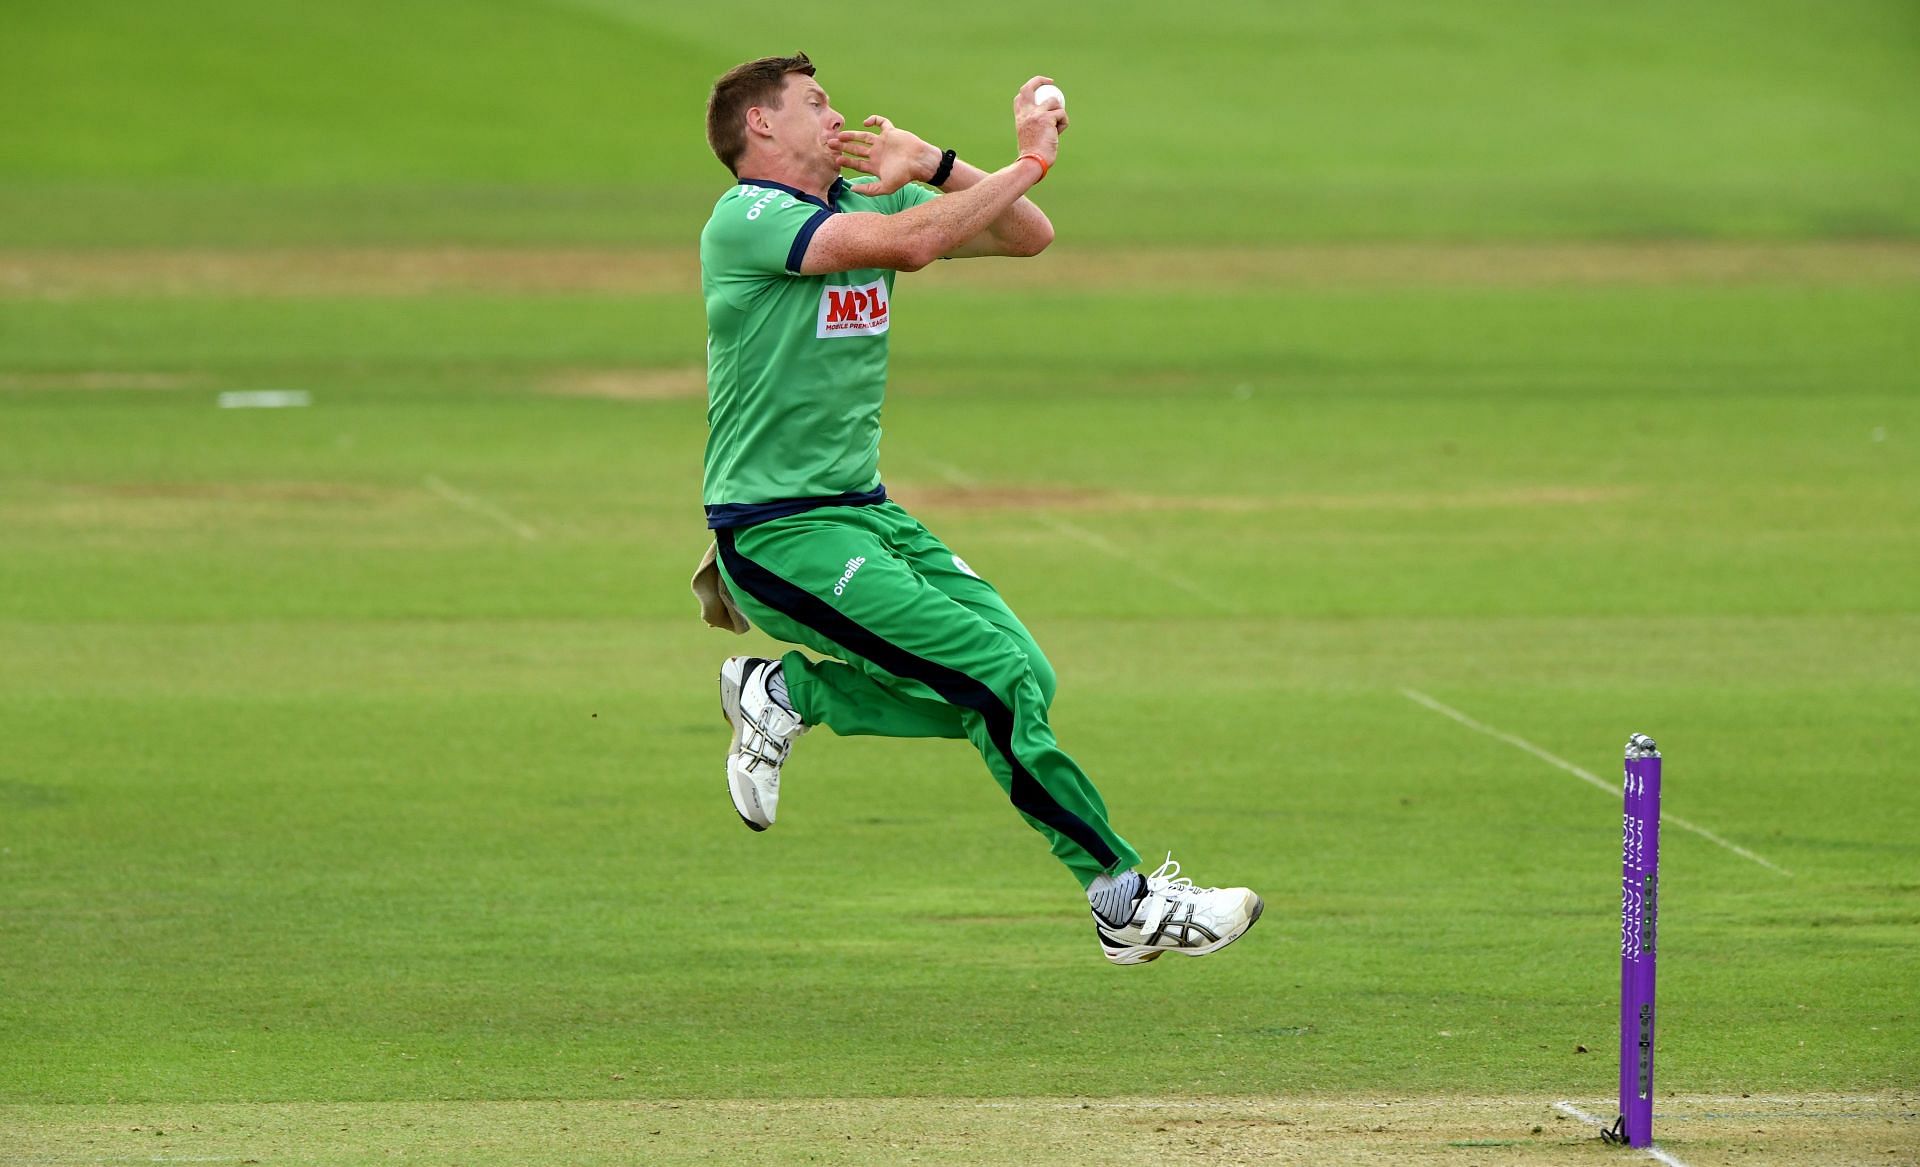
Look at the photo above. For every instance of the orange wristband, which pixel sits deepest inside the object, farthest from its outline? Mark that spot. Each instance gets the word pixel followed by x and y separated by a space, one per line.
pixel 1042 161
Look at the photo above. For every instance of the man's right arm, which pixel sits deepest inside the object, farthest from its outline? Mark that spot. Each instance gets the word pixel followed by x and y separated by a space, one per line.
pixel 916 237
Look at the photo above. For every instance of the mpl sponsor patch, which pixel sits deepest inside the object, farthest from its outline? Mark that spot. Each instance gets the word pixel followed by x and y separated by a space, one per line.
pixel 858 311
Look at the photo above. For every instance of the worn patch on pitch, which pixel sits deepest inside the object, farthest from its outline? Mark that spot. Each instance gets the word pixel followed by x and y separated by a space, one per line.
pixel 363 271
pixel 99 380
pixel 1447 264
pixel 101 508
pixel 271 491
pixel 1424 1131
pixel 628 384
pixel 418 271
pixel 1026 498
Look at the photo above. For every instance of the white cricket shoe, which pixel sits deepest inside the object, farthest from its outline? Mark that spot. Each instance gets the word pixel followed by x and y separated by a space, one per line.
pixel 1175 916
pixel 763 734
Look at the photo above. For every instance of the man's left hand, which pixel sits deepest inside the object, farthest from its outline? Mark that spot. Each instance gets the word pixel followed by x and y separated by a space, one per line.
pixel 894 155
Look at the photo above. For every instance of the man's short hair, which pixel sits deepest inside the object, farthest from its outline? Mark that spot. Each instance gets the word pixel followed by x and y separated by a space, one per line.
pixel 756 83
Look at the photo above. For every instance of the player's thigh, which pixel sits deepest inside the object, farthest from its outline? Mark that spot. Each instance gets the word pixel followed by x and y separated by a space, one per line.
pixel 775 569
pixel 955 578
pixel 840 587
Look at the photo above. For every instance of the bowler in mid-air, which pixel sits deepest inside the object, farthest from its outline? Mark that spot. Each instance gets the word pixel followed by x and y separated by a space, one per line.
pixel 797 266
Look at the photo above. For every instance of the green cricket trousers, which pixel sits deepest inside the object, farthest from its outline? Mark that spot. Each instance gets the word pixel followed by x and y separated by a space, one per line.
pixel 925 648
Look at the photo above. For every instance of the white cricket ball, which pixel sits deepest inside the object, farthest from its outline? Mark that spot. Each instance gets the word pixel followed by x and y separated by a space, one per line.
pixel 1049 97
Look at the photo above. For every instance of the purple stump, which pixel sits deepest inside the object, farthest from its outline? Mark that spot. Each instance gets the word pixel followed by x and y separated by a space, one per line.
pixel 1639 915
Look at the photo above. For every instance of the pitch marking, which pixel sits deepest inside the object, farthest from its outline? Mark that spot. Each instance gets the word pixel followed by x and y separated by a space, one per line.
pixel 480 506
pixel 1584 775
pixel 1100 543
pixel 266 399
pixel 1653 1151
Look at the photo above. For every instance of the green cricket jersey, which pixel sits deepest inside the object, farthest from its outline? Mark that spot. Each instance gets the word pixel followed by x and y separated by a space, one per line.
pixel 796 365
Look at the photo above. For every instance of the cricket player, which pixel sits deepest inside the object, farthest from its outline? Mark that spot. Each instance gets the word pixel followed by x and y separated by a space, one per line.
pixel 797 266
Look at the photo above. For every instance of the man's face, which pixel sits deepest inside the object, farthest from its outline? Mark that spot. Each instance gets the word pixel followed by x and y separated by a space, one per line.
pixel 806 128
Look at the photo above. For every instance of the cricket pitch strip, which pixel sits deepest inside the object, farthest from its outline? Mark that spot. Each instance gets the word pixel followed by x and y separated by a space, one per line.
pixel 1692 1130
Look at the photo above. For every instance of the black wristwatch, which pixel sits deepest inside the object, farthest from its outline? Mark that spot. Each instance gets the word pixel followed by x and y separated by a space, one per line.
pixel 945 171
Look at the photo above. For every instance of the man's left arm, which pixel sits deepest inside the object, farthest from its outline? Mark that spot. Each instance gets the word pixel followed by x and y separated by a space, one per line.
pixel 898 157
pixel 1021 229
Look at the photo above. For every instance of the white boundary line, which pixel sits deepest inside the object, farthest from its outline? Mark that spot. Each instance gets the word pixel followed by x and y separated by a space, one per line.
pixel 1653 1150
pixel 1587 776
pixel 1101 543
pixel 480 506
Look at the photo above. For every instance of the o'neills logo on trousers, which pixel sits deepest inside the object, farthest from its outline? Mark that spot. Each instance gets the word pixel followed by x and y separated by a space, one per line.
pixel 860 311
pixel 853 565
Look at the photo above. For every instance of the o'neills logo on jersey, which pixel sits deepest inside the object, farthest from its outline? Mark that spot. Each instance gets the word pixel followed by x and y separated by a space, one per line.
pixel 860 311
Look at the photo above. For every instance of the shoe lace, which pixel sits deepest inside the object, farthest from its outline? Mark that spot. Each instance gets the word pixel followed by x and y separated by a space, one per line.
pixel 1164 889
pixel 1167 880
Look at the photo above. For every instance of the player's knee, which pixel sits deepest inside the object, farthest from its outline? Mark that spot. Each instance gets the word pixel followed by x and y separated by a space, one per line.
pixel 1028 665
pixel 1018 671
pixel 1043 675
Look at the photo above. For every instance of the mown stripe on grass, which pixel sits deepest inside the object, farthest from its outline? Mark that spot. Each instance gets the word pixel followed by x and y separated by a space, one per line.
pixel 1584 775
pixel 628 271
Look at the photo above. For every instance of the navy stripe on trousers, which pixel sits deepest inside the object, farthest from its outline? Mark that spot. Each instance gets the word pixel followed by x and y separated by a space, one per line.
pixel 955 687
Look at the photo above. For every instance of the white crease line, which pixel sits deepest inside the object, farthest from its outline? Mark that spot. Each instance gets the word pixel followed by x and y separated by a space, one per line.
pixel 480 506
pixel 1102 544
pixel 1652 1150
pixel 266 399
pixel 1584 775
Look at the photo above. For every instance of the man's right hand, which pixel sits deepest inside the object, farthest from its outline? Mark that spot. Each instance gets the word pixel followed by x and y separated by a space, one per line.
pixel 894 155
pixel 1037 130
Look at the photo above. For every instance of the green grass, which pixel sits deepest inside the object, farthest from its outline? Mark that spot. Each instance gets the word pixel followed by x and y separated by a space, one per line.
pixel 319 784
pixel 223 121
pixel 323 787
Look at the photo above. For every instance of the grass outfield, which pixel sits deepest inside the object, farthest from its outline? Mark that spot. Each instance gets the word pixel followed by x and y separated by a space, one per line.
pixel 368 751
pixel 360 763
pixel 513 121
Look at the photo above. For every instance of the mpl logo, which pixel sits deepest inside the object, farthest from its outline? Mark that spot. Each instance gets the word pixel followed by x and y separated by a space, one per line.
pixel 859 311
